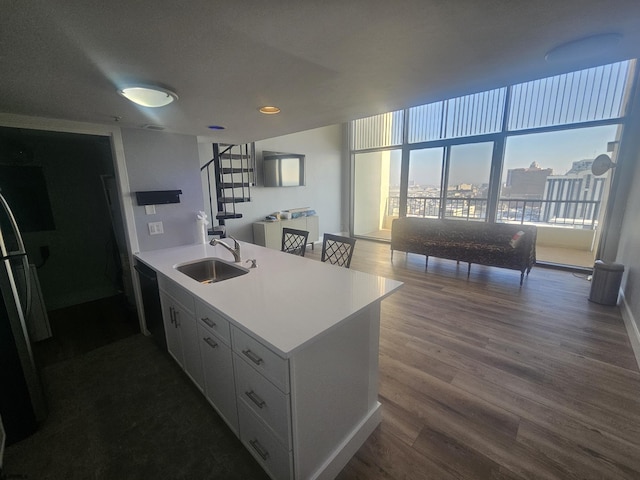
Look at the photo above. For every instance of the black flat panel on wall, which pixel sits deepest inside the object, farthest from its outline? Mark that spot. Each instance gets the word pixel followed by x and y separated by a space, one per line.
pixel 26 192
pixel 158 197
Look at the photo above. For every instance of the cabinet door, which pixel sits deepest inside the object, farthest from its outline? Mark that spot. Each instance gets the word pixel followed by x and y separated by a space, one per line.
pixel 218 376
pixel 273 235
pixel 190 346
pixel 313 228
pixel 174 343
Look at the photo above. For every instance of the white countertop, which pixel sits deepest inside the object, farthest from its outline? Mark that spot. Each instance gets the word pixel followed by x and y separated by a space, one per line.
pixel 286 301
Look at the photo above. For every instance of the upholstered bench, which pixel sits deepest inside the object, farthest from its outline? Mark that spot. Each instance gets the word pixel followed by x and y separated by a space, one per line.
pixel 494 244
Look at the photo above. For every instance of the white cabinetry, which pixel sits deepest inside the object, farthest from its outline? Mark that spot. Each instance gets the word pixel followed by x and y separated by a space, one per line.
pixel 269 234
pixel 301 415
pixel 264 404
pixel 180 329
pixel 217 363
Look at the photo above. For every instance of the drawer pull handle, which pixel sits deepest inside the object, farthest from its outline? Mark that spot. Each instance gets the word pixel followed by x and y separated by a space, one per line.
pixel 208 321
pixel 253 396
pixel 259 449
pixel 211 342
pixel 172 315
pixel 175 316
pixel 252 356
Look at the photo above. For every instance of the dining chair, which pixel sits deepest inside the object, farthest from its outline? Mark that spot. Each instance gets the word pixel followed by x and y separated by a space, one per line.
pixel 294 241
pixel 337 250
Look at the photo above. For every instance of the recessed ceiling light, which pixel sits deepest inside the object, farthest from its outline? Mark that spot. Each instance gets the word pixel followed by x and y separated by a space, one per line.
pixel 269 110
pixel 149 96
pixel 216 127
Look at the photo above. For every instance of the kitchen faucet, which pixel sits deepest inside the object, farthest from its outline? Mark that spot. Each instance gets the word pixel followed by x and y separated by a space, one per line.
pixel 235 250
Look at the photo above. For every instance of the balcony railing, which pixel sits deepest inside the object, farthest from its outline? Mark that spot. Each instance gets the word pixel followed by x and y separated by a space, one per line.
pixel 574 213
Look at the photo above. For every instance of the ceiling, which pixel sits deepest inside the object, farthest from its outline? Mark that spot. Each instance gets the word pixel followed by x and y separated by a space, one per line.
pixel 322 62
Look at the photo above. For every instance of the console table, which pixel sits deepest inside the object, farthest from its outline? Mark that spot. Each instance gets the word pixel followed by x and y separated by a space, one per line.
pixel 269 234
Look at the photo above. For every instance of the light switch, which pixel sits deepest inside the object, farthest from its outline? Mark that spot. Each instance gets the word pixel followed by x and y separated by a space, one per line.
pixel 150 209
pixel 155 228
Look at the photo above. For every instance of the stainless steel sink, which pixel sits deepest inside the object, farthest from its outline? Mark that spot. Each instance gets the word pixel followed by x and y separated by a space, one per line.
pixel 211 270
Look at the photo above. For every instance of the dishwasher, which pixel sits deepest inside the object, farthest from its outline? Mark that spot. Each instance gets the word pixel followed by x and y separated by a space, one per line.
pixel 151 303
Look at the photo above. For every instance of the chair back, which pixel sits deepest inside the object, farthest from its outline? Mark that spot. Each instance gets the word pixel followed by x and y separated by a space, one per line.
pixel 294 241
pixel 337 250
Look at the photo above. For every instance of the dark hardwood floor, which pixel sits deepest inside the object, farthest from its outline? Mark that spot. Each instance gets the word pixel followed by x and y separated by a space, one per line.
pixel 483 379
pixel 479 379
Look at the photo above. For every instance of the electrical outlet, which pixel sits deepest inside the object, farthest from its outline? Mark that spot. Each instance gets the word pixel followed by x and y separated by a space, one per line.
pixel 155 228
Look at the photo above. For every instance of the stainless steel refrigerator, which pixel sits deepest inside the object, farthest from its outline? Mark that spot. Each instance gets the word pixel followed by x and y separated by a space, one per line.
pixel 22 404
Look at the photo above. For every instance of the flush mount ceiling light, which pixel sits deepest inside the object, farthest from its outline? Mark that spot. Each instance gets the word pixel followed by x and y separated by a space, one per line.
pixel 583 48
pixel 149 96
pixel 269 110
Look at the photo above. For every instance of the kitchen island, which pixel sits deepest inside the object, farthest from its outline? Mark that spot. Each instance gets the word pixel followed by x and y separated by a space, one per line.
pixel 286 353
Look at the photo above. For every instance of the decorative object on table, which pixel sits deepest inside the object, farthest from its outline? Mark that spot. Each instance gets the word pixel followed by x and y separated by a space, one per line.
pixel 337 250
pixel 301 212
pixel 202 223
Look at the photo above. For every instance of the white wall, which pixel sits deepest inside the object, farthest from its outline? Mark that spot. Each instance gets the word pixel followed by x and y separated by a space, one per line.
pixel 622 239
pixel 163 161
pixel 629 256
pixel 322 192
pixel 574 238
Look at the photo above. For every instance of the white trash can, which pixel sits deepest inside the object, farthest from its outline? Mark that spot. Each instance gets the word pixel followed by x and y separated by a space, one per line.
pixel 605 282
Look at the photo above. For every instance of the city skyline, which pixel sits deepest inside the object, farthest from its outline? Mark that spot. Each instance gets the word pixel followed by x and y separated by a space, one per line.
pixel 470 162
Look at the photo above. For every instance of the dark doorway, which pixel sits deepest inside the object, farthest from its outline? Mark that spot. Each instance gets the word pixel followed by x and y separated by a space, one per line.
pixel 61 187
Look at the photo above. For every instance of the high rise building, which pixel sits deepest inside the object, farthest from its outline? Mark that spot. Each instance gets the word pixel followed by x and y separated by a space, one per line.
pixel 573 197
pixel 526 183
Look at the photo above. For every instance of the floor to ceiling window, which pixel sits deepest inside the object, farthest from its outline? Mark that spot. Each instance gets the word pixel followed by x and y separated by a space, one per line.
pixel 377 179
pixel 522 154
pixel 376 175
pixel 469 172
pixel 424 190
pixel 547 180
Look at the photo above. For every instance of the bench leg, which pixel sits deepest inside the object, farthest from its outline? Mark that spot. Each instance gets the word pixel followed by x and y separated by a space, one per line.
pixel 426 262
pixel 392 255
pixel 522 277
pixel 469 270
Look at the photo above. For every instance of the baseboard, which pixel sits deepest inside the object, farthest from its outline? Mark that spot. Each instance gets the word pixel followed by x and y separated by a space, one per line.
pixel 341 456
pixel 632 326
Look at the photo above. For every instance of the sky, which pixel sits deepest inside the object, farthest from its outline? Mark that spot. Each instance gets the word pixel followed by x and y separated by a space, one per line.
pixel 470 163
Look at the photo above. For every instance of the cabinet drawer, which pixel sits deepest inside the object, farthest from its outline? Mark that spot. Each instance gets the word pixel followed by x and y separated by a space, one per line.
pixel 264 399
pixel 219 387
pixel 262 359
pixel 213 321
pixel 178 293
pixel 266 449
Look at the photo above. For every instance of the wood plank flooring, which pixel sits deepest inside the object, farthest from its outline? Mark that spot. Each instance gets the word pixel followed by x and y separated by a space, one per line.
pixel 483 379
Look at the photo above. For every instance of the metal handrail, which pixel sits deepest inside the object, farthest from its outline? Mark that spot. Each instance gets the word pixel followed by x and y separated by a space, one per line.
pixel 519 210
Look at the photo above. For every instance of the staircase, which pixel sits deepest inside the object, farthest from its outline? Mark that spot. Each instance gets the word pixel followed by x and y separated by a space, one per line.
pixel 230 174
